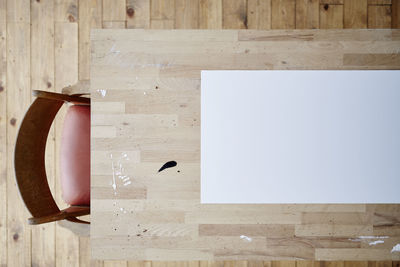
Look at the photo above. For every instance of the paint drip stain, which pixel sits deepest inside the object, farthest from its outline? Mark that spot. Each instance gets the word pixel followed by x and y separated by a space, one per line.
pixel 167 165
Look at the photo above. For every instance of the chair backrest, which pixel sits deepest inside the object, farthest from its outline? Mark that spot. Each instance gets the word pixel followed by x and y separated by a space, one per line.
pixel 29 159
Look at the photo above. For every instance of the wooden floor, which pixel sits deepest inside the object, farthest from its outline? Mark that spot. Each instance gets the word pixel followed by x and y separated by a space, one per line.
pixel 44 45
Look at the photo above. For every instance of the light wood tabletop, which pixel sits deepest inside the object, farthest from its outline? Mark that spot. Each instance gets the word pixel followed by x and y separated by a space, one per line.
pixel 145 89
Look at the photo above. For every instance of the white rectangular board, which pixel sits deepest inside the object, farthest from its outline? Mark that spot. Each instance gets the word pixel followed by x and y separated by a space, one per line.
pixel 300 137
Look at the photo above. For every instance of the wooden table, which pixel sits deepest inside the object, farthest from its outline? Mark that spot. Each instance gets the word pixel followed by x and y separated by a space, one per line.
pixel 146 111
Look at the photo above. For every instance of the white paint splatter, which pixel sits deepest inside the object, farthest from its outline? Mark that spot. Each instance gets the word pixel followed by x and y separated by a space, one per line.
pixel 396 248
pixel 114 184
pixel 102 92
pixel 119 178
pixel 246 238
pixel 366 238
pixel 142 66
pixel 374 243
pixel 112 50
pixel 372 237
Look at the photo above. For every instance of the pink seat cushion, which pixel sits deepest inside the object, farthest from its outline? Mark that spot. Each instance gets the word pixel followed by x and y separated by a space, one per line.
pixel 75 156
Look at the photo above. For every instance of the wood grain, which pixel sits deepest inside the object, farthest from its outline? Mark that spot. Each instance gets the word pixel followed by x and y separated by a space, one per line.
pixel 162 14
pixel 3 133
pixel 114 24
pixel 65 10
pixel 90 17
pixel 379 16
pixel 18 100
pixel 331 16
pixel 23 43
pixel 283 14
pixel 259 14
pixel 114 10
pixel 379 2
pixel 138 14
pixel 42 78
pixel 307 14
pixel 17 11
pixel 187 14
pixel 210 14
pixel 234 14
pixel 396 14
pixel 331 2
pixel 355 14
pixel 152 107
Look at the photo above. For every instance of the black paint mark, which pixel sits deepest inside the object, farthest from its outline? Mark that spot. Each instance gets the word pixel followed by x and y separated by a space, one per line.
pixel 326 6
pixel 169 164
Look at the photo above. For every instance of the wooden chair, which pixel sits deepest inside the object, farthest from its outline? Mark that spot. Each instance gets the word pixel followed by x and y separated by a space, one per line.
pixel 29 159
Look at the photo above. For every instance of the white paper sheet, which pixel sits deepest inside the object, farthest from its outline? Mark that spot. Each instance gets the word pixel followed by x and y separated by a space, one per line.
pixel 300 137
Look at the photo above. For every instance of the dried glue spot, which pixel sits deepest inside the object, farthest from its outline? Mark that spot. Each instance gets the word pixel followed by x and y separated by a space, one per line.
pixel 366 238
pixel 246 238
pixel 102 92
pixel 113 50
pixel 374 243
pixel 396 248
pixel 371 240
